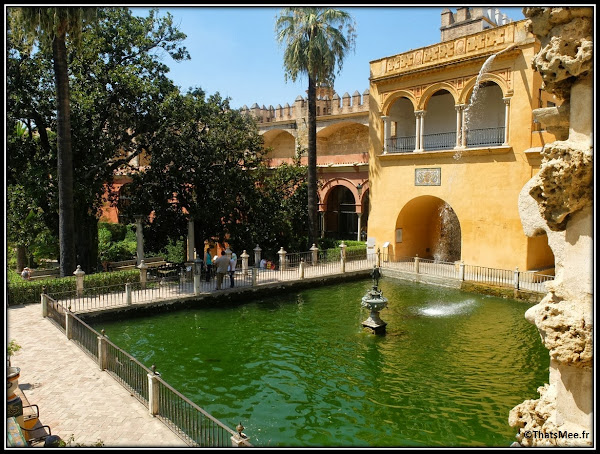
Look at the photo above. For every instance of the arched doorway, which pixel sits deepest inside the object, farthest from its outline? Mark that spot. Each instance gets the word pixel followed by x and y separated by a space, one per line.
pixel 427 226
pixel 340 215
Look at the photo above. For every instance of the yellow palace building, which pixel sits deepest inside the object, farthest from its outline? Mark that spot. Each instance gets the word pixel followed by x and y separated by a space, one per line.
pixel 453 140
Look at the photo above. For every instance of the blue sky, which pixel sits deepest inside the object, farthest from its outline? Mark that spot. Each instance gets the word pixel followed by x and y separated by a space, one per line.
pixel 234 51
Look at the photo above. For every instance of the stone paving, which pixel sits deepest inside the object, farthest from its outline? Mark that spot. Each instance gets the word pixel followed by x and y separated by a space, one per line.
pixel 76 399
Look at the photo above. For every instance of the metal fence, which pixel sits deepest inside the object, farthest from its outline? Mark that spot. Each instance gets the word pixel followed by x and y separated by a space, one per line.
pixel 188 420
pixel 520 280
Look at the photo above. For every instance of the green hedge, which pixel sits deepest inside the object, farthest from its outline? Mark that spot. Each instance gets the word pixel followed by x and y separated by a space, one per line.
pixel 25 292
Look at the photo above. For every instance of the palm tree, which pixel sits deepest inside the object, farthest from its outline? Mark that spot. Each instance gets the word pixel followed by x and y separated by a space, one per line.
pixel 316 39
pixel 51 27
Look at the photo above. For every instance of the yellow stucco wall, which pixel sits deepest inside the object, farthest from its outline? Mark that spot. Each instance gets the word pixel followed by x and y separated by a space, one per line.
pixel 482 186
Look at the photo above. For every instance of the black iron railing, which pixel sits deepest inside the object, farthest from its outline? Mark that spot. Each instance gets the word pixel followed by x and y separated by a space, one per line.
pixel 485 137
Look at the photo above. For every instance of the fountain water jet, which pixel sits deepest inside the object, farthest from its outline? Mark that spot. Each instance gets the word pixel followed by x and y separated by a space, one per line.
pixel 484 68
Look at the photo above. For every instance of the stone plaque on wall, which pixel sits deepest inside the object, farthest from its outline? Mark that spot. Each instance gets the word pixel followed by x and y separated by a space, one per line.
pixel 428 177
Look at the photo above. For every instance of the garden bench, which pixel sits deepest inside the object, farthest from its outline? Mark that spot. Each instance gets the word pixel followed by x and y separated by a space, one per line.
pixel 124 265
pixel 45 273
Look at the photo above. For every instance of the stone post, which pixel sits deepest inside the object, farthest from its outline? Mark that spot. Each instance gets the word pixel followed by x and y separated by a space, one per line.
pixel 238 440
pixel 257 251
pixel 79 273
pixel 378 258
pixel 315 254
pixel 461 271
pixel 102 353
pixel 197 276
pixel 69 323
pixel 44 299
pixel 301 269
pixel 153 392
pixel 282 253
pixel 343 257
pixel 139 236
pixel 143 274
pixel 254 276
pixel 128 294
pixel 244 258
pixel 516 278
pixel 417 264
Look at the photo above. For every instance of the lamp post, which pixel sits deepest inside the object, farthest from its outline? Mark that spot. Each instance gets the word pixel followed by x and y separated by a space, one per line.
pixel 139 235
pixel 359 188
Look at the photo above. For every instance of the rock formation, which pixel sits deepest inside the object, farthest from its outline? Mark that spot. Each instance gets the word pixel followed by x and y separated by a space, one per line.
pixel 558 201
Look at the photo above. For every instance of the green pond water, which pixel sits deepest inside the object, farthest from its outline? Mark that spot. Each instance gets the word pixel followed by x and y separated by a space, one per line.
pixel 298 369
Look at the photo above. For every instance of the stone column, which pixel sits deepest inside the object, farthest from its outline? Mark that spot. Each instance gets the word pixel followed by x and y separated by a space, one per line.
pixel 139 236
pixel 358 226
pixel 417 130
pixel 459 124
pixel 387 132
pixel 421 130
pixel 506 119
pixel 463 129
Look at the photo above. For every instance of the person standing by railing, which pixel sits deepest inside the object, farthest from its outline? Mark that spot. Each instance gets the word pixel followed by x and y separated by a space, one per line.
pixel 208 263
pixel 232 266
pixel 222 264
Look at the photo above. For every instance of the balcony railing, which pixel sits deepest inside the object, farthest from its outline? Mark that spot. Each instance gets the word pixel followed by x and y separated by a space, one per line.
pixel 487 136
pixel 447 140
pixel 439 141
pixel 401 144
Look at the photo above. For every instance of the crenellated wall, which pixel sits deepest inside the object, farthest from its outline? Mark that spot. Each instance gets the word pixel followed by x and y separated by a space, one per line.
pixel 326 106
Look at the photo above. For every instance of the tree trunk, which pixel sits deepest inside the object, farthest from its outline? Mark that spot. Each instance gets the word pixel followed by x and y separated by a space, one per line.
pixel 313 210
pixel 21 257
pixel 66 226
pixel 86 242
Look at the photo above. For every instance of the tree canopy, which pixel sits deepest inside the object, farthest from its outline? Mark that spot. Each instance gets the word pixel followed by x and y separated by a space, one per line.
pixel 200 157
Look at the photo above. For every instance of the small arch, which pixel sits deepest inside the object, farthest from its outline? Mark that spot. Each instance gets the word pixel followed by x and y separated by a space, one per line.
pixel 387 105
pixel 465 93
pixel 432 89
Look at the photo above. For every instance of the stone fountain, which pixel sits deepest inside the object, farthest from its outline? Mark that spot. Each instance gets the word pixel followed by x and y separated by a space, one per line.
pixel 375 302
pixel 558 201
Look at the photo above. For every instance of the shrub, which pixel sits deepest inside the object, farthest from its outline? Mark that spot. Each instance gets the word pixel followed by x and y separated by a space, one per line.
pixel 25 292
